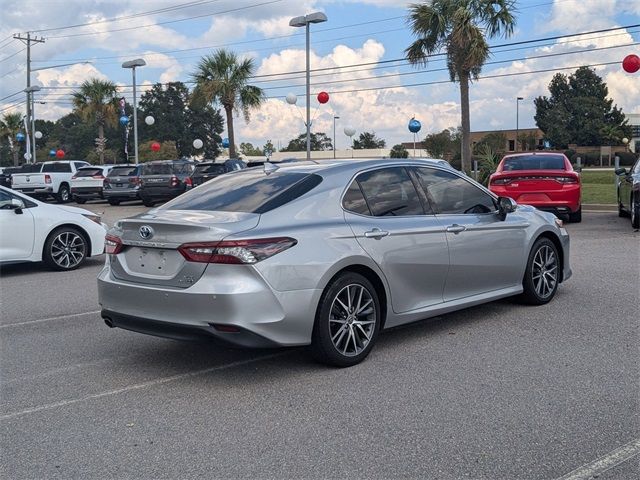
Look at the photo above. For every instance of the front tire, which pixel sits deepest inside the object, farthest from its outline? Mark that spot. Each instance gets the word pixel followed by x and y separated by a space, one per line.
pixel 347 322
pixel 65 249
pixel 148 203
pixel 63 195
pixel 114 202
pixel 635 212
pixel 542 275
pixel 80 200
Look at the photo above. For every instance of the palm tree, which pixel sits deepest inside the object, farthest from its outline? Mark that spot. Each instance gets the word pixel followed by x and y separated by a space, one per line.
pixel 95 102
pixel 460 28
pixel 10 125
pixel 222 77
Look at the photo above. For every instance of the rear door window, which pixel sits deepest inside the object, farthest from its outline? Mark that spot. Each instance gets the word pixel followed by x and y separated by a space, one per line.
pixel 353 200
pixel 123 172
pixel 88 172
pixel 390 192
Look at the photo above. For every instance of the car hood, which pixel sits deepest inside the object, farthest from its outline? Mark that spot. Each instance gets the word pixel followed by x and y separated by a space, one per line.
pixel 80 211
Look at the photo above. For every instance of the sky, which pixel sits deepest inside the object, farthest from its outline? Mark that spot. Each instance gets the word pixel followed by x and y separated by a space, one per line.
pixel 173 35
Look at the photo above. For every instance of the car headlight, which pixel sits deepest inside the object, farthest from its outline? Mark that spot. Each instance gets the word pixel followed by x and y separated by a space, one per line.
pixel 559 223
pixel 93 218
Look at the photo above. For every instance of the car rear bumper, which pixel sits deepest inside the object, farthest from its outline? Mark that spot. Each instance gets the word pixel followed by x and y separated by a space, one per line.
pixel 121 194
pixel 34 190
pixel 86 191
pixel 564 201
pixel 225 297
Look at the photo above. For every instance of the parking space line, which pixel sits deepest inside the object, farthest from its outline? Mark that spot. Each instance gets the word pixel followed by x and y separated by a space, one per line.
pixel 42 320
pixel 604 463
pixel 139 386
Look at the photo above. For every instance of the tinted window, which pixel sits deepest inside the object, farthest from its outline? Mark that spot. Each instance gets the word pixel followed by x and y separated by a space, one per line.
pixel 451 194
pixel 212 169
pixel 123 172
pixel 29 168
pixel 80 164
pixel 157 169
pixel 354 201
pixel 7 197
pixel 57 167
pixel 533 162
pixel 88 172
pixel 390 192
pixel 182 168
pixel 248 191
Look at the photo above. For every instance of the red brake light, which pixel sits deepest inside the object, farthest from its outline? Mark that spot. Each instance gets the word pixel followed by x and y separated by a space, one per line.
pixel 47 178
pixel 107 181
pixel 500 181
pixel 235 251
pixel 98 176
pixel 113 245
pixel 174 181
pixel 188 182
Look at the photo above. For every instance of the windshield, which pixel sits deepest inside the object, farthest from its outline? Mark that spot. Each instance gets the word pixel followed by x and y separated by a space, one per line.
pixel 250 192
pixel 533 162
pixel 123 172
pixel 88 172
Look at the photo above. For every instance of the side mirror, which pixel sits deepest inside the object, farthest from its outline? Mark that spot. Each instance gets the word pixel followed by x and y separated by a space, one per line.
pixel 17 206
pixel 621 171
pixel 578 169
pixel 505 205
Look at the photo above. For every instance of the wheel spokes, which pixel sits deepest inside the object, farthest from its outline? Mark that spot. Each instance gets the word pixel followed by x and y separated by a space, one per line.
pixel 352 320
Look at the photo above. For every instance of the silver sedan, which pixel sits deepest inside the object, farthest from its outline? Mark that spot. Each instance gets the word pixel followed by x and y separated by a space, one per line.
pixel 326 255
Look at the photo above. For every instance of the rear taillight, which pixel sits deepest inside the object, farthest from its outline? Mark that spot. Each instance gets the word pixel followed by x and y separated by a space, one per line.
pixel 566 179
pixel 188 182
pixel 235 251
pixel 98 177
pixel 174 181
pixel 500 181
pixel 74 177
pixel 47 178
pixel 107 181
pixel 113 245
pixel 135 180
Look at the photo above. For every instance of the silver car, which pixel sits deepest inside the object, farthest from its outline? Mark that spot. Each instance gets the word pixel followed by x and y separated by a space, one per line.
pixel 326 254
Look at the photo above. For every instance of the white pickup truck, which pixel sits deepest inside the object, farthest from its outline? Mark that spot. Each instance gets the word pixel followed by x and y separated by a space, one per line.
pixel 54 179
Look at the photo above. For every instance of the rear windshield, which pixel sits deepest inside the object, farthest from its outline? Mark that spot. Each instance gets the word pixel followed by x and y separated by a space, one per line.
pixel 533 162
pixel 56 167
pixel 249 191
pixel 123 172
pixel 213 169
pixel 157 169
pixel 88 172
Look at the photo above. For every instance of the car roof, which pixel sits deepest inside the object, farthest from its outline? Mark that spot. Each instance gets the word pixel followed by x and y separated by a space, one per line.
pixel 526 154
pixel 340 166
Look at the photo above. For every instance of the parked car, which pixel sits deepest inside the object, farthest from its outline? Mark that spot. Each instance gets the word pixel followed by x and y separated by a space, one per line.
pixel 88 182
pixel 205 171
pixel 545 180
pixel 629 193
pixel 326 254
pixel 54 179
pixel 61 236
pixel 7 172
pixel 164 180
pixel 122 183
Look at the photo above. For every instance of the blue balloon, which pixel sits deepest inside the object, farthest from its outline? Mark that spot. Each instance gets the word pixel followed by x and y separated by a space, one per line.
pixel 225 143
pixel 124 120
pixel 20 137
pixel 52 153
pixel 414 126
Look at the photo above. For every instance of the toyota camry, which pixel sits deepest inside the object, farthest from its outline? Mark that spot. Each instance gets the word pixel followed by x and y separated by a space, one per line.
pixel 326 255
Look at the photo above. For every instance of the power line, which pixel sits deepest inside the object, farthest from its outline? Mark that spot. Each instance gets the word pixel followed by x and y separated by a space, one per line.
pixel 12 95
pixel 13 55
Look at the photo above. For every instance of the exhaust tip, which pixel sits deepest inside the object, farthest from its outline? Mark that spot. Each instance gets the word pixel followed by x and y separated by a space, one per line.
pixel 109 322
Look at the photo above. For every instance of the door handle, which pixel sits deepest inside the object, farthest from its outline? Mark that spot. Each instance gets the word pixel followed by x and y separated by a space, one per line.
pixel 455 228
pixel 376 233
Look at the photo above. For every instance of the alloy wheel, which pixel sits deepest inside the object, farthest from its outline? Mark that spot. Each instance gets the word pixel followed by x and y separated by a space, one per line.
pixel 544 273
pixel 68 250
pixel 352 320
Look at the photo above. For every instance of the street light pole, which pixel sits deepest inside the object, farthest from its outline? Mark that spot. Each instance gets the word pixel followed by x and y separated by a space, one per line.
pixel 132 64
pixel 32 121
pixel 517 119
pixel 334 135
pixel 306 21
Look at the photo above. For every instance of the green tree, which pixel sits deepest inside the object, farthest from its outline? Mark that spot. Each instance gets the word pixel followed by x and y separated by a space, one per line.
pixel 578 110
pixel 95 103
pixel 442 144
pixel 268 148
pixel 527 141
pixel 222 77
pixel 398 151
pixel 495 141
pixel 205 123
pixel 612 134
pixel 10 125
pixel 319 141
pixel 460 28
pixel 248 150
pixel 168 151
pixel 368 140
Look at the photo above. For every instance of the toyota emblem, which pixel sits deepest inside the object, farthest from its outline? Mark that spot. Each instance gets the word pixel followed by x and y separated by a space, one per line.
pixel 146 232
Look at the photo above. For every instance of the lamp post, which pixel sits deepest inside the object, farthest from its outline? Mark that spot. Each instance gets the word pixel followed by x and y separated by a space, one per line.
pixel 305 21
pixel 30 91
pixel 334 135
pixel 517 119
pixel 132 64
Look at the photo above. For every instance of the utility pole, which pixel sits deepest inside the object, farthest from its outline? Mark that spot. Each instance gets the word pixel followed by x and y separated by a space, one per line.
pixel 28 40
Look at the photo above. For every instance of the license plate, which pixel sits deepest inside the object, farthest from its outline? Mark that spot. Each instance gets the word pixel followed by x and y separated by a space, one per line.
pixel 118 185
pixel 155 180
pixel 152 261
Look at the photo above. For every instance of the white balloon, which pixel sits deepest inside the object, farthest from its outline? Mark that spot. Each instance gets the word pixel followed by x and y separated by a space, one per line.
pixel 349 131
pixel 197 143
pixel 38 135
pixel 149 120
pixel 292 99
pixel 27 156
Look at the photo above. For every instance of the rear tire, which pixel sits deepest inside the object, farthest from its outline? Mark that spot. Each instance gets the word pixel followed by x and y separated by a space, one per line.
pixel 542 275
pixel 347 321
pixel 635 212
pixel 63 195
pixel 65 249
pixel 576 217
pixel 621 210
pixel 81 201
pixel 114 202
pixel 148 203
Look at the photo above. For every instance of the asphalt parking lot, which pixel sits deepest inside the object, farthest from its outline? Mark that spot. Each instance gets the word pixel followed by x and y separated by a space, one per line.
pixel 499 391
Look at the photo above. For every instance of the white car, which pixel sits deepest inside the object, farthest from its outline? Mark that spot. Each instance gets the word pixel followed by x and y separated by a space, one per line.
pixel 88 182
pixel 32 231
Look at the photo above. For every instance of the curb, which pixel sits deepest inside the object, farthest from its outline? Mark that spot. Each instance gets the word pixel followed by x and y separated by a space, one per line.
pixel 599 207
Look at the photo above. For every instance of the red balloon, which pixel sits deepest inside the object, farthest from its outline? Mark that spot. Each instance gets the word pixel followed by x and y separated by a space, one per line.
pixel 60 153
pixel 323 97
pixel 155 146
pixel 631 63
